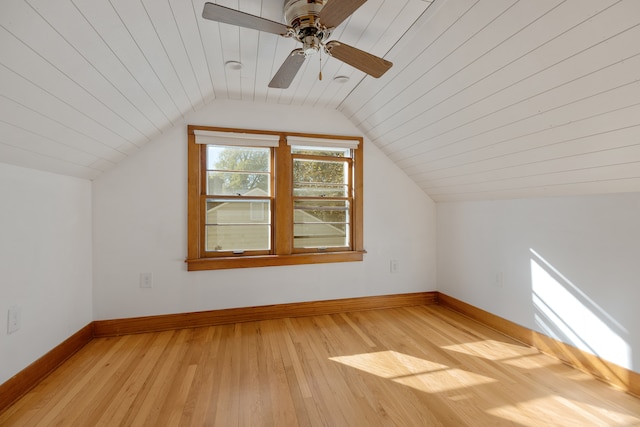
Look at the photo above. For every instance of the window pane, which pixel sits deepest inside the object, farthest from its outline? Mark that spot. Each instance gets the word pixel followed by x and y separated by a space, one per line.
pixel 320 178
pixel 320 223
pixel 237 237
pixel 238 225
pixel 320 235
pixel 321 151
pixel 238 171
pixel 246 159
pixel 238 212
pixel 319 190
pixel 313 211
pixel 238 184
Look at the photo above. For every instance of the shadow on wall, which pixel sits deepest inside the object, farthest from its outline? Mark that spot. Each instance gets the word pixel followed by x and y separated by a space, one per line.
pixel 564 312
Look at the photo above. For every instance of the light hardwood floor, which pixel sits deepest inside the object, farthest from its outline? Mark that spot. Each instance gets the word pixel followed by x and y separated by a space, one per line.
pixel 412 366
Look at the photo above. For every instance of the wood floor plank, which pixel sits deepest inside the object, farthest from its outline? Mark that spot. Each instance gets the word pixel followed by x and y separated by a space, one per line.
pixel 420 365
pixel 138 388
pixel 160 381
pixel 60 411
pixel 208 388
pixel 283 409
pixel 306 414
pixel 30 407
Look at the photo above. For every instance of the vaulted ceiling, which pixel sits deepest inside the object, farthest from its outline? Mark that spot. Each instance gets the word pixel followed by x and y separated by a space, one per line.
pixel 486 98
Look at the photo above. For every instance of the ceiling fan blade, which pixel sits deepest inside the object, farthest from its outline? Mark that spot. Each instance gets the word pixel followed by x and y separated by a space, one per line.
pixel 215 12
pixel 336 11
pixel 363 61
pixel 288 70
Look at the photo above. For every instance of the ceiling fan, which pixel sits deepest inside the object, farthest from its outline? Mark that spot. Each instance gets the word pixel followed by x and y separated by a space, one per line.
pixel 310 23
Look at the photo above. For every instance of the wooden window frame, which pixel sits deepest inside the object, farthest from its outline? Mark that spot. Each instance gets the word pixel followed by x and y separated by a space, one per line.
pixel 282 196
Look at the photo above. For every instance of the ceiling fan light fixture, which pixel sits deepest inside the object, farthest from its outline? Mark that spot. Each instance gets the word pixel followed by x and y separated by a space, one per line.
pixel 233 65
pixel 311 45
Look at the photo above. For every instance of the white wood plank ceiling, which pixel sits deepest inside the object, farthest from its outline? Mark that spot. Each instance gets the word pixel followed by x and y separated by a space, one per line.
pixel 487 98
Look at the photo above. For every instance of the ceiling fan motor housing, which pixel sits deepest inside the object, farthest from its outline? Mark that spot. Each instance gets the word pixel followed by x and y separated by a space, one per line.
pixel 302 16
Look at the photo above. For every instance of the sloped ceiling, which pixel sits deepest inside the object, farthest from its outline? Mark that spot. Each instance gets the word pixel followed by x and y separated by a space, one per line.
pixel 486 99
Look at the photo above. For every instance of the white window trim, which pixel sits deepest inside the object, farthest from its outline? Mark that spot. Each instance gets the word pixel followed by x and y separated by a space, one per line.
pixel 210 137
pixel 322 142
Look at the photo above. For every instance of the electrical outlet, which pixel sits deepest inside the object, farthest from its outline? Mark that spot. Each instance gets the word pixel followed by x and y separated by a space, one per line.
pixel 146 280
pixel 394 266
pixel 13 319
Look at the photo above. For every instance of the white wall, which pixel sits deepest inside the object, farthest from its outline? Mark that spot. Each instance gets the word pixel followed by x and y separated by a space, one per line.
pixel 140 210
pixel 45 262
pixel 568 267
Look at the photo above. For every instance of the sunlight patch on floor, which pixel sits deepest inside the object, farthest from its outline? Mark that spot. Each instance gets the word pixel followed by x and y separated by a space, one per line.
pixel 413 372
pixel 537 408
pixel 520 356
pixel 491 349
pixel 534 361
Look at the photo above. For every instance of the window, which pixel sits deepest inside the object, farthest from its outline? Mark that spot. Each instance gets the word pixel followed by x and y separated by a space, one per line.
pixel 238 204
pixel 262 198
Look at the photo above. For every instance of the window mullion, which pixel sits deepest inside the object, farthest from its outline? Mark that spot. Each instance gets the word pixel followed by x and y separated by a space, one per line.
pixel 283 221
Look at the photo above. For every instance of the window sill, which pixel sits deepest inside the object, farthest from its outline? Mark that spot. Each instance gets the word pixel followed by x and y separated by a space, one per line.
pixel 221 263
